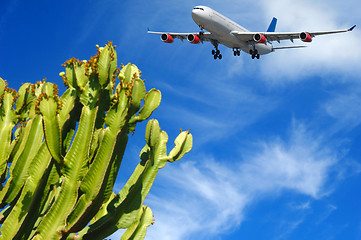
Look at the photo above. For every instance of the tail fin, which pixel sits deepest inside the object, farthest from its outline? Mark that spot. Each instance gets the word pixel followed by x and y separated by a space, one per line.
pixel 272 26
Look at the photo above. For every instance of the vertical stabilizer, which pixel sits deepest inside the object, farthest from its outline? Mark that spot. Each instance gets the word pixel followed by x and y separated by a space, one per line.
pixel 272 26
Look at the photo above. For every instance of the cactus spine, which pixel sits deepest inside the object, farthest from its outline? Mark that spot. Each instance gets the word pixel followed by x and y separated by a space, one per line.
pixel 59 166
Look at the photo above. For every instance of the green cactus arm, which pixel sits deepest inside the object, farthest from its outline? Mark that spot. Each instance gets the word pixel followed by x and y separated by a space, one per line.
pixel 123 210
pixel 91 93
pixel 73 170
pixel 49 89
pixel 95 144
pixel 183 144
pixel 2 86
pixel 80 73
pixel 110 207
pixel 103 210
pixel 23 92
pixel 68 101
pixel 20 167
pixel 128 73
pixel 15 144
pixel 138 94
pixel 106 63
pixel 138 229
pixel 12 223
pixel 78 153
pixel 69 127
pixel 94 180
pixel 54 220
pixel 69 76
pixel 117 158
pixel 50 195
pixel 116 117
pixel 30 196
pixel 151 102
pixel 100 179
pixel 48 106
pixel 92 183
pixel 25 101
pixel 126 211
pixel 8 119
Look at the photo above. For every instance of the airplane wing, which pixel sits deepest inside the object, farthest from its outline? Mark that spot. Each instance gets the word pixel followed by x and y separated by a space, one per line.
pixel 206 36
pixel 278 36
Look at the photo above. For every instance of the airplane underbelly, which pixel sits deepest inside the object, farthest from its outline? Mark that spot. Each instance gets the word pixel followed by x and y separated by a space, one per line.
pixel 261 48
pixel 233 42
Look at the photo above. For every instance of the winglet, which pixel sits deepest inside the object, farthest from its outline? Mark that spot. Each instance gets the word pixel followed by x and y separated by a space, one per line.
pixel 350 29
pixel 148 29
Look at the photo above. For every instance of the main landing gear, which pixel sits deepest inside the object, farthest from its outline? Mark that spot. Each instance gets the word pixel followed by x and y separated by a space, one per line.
pixel 254 53
pixel 216 53
pixel 236 52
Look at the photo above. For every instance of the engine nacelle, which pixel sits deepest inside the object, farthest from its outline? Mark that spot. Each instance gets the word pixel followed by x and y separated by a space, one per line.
pixel 165 37
pixel 192 38
pixel 259 38
pixel 306 37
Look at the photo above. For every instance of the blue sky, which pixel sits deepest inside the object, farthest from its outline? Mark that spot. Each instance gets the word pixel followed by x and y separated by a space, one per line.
pixel 277 141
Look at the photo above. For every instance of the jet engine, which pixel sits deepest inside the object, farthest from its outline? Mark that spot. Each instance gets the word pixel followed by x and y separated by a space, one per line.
pixel 165 37
pixel 192 38
pixel 306 37
pixel 259 38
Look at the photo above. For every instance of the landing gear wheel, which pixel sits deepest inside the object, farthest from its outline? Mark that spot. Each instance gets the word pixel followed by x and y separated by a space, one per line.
pixel 257 56
pixel 215 52
pixel 236 52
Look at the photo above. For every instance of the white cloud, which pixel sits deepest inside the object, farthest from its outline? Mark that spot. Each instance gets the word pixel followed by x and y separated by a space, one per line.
pixel 345 109
pixel 301 164
pixel 209 197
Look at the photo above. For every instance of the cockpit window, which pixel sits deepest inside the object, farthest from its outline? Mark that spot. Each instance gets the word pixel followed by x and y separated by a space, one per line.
pixel 199 8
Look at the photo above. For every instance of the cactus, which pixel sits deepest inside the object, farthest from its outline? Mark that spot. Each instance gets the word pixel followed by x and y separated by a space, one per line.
pixel 60 156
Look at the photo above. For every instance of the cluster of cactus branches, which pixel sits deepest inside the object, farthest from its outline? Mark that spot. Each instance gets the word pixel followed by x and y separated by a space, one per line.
pixel 60 156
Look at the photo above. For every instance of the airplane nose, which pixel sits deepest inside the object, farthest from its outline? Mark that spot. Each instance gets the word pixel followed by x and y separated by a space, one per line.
pixel 197 15
pixel 194 12
pixel 200 15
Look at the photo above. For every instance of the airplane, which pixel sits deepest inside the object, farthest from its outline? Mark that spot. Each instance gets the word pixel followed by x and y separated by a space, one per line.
pixel 222 30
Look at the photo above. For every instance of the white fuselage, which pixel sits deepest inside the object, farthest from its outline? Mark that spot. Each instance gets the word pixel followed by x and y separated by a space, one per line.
pixel 222 28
